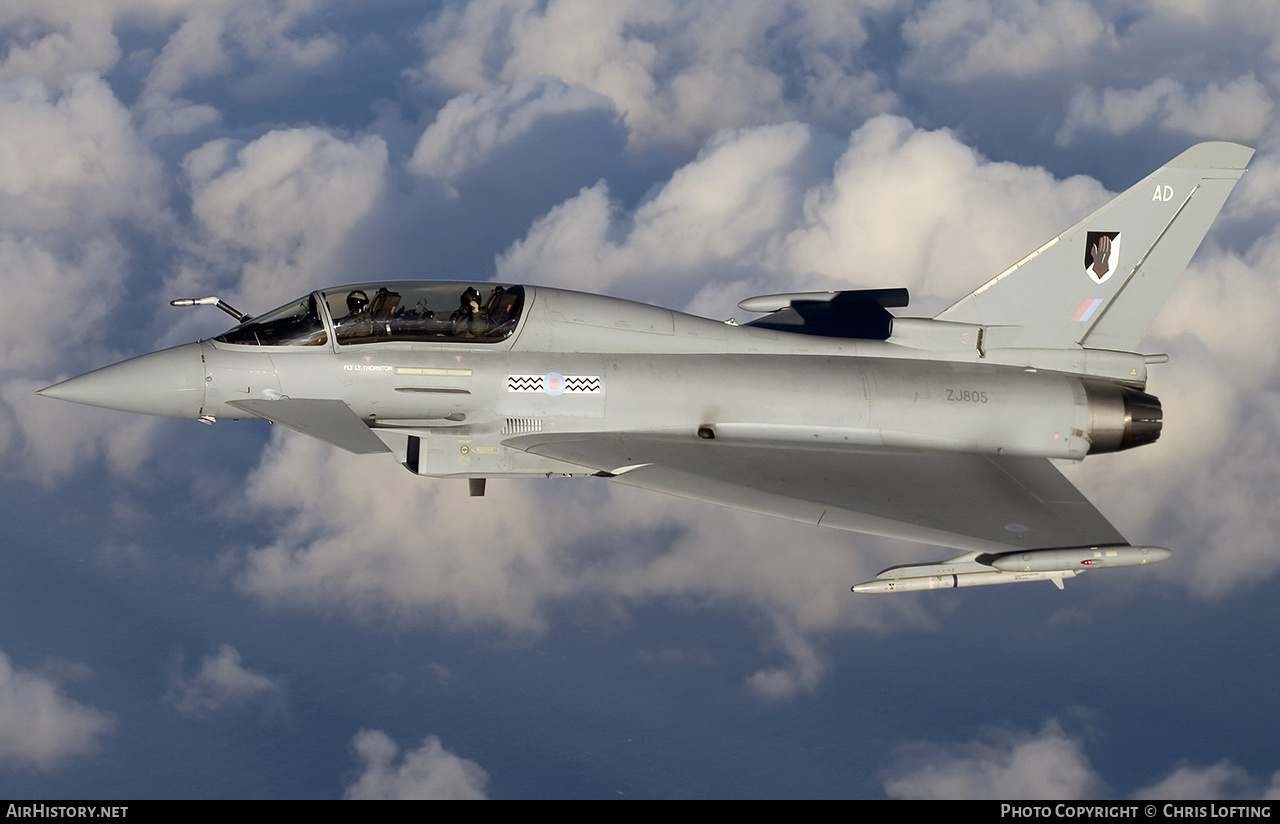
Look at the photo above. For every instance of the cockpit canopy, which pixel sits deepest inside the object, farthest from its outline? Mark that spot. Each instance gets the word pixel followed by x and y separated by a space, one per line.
pixel 378 312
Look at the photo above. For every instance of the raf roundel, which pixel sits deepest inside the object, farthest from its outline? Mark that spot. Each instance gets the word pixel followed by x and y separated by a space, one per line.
pixel 553 383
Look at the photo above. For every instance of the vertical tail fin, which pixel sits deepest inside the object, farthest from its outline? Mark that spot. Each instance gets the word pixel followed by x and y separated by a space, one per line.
pixel 1101 283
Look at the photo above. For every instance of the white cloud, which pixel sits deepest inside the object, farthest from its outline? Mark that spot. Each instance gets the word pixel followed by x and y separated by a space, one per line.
pixel 429 772
pixel 1012 765
pixel 1205 489
pixel 282 205
pixel 40 727
pixel 218 37
pixel 70 156
pixel 359 533
pixel 163 116
pixel 568 246
pixel 917 208
pixel 57 303
pixel 80 44
pixel 721 556
pixel 222 682
pixel 723 213
pixel 1013 75
pixel 1117 111
pixel 1257 195
pixel 677 71
pixel 1049 764
pixel 193 51
pixel 72 173
pixel 802 674
pixel 52 440
pixel 1240 109
pixel 1208 305
pixel 64 11
pixel 967 39
pixel 263 31
pixel 472 126
pixel 1220 781
pixel 761 208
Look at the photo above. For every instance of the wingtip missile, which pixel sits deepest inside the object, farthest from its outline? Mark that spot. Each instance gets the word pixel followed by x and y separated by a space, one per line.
pixel 1054 565
pixel 961 579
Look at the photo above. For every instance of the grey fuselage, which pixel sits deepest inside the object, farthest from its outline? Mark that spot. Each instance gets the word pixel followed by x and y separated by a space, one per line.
pixel 631 367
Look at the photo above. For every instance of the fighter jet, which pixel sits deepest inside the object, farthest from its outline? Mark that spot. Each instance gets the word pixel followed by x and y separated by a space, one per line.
pixel 828 409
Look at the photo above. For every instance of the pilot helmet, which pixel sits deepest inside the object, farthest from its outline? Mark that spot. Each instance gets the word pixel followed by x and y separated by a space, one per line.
pixel 357 301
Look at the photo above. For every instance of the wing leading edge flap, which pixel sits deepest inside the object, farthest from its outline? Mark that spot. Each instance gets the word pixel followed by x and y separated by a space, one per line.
pixel 977 503
pixel 328 420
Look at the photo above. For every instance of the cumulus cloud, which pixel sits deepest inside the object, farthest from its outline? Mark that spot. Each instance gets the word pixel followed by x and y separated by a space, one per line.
pixel 216 37
pixel 1015 765
pixel 764 208
pixel 40 727
pixel 502 559
pixel 193 51
pixel 82 43
pixel 1029 79
pixel 721 216
pixel 282 206
pixel 221 682
pixel 71 156
pixel 361 532
pixel 905 206
pixel 968 39
pixel 802 674
pixel 471 126
pixel 62 298
pixel 1239 110
pixel 343 538
pixel 1207 492
pixel 1004 70
pixel 61 12
pixel 677 71
pixel 1221 781
pixel 1050 764
pixel 52 440
pixel 74 177
pixel 429 772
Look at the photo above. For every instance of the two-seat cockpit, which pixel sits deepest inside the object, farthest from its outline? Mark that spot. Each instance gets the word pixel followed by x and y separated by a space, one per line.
pixel 382 312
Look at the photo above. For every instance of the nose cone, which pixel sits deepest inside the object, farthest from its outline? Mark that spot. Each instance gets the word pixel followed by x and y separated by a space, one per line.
pixel 169 383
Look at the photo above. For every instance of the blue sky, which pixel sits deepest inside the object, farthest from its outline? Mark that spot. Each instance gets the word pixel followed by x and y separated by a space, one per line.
pixel 228 611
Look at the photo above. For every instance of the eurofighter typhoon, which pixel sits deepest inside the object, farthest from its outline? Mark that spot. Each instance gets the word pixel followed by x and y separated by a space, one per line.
pixel 827 409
